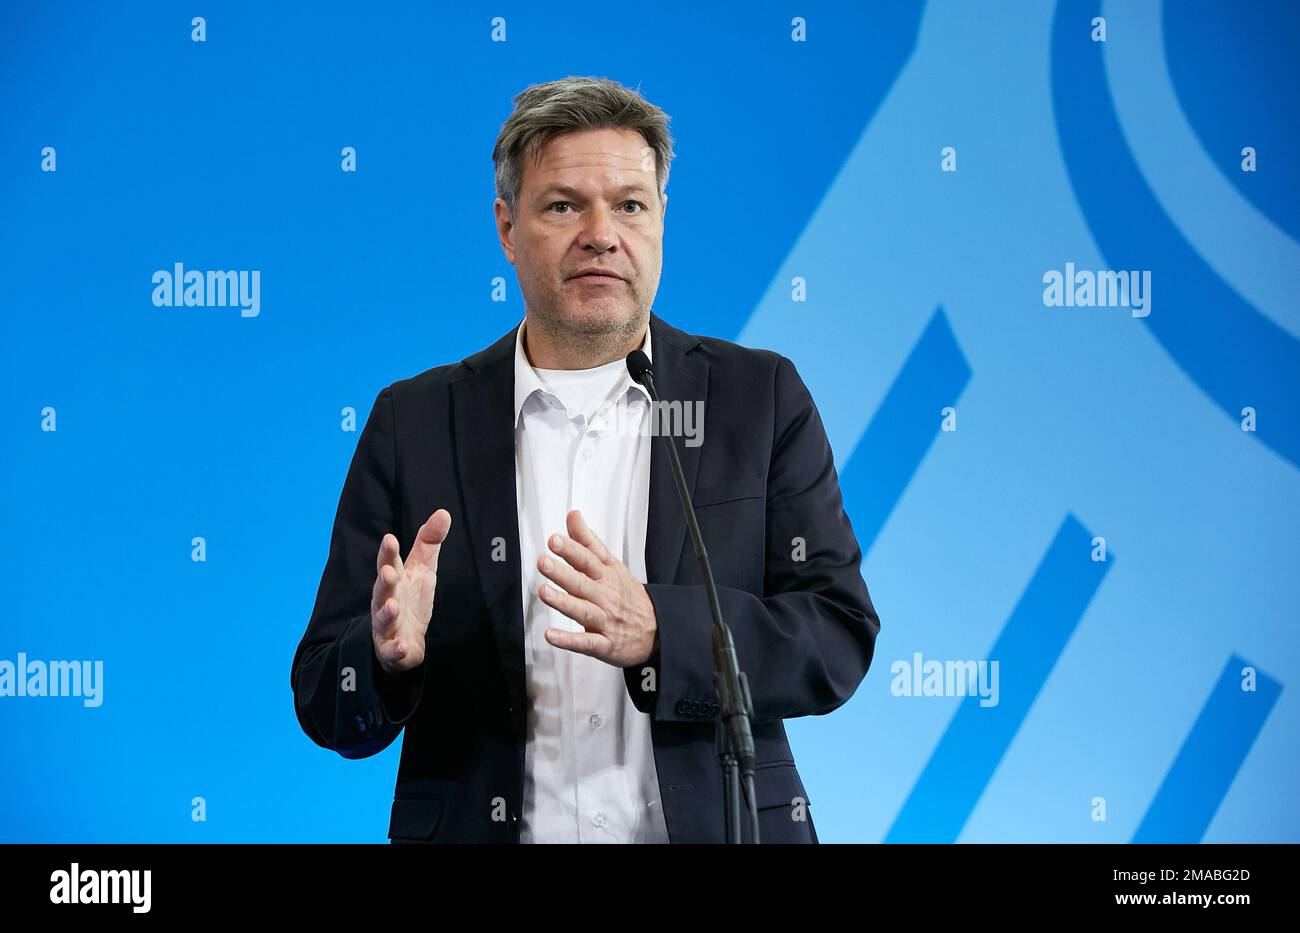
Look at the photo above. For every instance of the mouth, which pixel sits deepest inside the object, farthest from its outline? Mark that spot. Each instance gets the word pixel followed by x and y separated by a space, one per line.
pixel 596 277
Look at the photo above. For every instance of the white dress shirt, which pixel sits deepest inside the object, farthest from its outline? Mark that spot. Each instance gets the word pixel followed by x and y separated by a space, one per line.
pixel 589 767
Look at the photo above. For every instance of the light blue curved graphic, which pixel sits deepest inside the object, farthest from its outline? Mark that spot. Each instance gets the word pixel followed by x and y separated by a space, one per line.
pixel 1237 356
pixel 1237 240
pixel 1232 65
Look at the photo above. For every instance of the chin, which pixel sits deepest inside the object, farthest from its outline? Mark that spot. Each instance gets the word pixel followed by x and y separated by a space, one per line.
pixel 600 315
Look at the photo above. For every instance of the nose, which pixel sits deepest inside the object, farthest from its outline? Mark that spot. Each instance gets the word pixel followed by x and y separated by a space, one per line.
pixel 598 232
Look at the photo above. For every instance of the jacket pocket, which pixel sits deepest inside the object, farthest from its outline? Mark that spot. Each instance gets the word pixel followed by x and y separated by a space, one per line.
pixel 784 815
pixel 415 819
pixel 777 784
pixel 717 493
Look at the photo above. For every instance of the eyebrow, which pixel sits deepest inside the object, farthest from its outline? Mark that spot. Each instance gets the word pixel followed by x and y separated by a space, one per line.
pixel 575 193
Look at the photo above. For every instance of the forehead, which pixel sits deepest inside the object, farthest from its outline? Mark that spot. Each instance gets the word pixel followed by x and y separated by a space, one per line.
pixel 606 154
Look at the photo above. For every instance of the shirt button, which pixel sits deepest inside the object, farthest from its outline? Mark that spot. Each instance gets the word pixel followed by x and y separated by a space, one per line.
pixel 598 820
pixel 596 721
pixel 586 453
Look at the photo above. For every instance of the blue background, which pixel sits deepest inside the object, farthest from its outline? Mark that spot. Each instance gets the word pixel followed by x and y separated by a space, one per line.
pixel 818 159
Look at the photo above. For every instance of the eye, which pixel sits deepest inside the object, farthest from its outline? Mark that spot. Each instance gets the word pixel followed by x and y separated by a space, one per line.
pixel 638 204
pixel 557 203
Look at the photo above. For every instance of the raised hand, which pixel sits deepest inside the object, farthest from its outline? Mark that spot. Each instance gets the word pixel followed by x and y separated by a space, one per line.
pixel 401 603
pixel 597 591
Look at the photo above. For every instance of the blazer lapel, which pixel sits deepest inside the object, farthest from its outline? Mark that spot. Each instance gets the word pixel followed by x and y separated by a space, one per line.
pixel 485 451
pixel 683 377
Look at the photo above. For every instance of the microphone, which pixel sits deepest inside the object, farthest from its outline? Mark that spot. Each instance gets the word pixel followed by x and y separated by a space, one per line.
pixel 638 364
pixel 730 682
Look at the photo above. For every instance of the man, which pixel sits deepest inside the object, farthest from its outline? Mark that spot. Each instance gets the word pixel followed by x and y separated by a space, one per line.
pixel 509 577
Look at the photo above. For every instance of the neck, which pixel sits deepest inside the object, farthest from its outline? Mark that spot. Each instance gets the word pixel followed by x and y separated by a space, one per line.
pixel 567 350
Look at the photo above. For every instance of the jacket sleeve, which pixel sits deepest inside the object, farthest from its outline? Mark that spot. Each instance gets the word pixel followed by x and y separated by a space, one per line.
pixel 806 644
pixel 343 698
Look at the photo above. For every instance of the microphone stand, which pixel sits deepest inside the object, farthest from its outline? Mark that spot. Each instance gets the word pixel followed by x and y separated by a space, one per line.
pixel 735 740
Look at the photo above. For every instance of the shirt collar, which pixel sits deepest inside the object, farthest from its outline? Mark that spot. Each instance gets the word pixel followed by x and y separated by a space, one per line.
pixel 526 381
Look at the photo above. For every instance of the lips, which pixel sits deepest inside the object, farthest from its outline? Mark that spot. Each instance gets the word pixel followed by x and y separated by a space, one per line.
pixel 597 275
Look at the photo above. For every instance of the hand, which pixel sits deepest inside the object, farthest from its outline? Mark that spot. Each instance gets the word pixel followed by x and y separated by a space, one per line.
pixel 402 601
pixel 601 595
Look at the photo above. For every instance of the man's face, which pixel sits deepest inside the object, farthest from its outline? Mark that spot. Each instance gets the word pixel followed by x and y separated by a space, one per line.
pixel 590 201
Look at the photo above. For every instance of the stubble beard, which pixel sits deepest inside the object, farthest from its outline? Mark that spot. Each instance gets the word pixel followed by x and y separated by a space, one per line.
pixel 583 336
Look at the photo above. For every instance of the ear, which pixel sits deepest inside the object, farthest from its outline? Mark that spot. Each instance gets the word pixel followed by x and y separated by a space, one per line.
pixel 505 228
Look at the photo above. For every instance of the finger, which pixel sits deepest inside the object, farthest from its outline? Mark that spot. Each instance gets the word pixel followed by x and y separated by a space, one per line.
pixel 588 643
pixel 570 579
pixel 385 586
pixel 586 614
pixel 579 556
pixel 428 541
pixel 581 532
pixel 389 552
pixel 384 620
pixel 391 651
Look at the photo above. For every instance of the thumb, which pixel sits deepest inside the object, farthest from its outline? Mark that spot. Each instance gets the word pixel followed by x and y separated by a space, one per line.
pixel 428 541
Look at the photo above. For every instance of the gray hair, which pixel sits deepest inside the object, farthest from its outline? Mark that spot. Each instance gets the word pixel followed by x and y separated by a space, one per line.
pixel 574 104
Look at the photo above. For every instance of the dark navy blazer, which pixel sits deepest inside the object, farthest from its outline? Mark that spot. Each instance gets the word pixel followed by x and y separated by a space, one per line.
pixel 785 560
